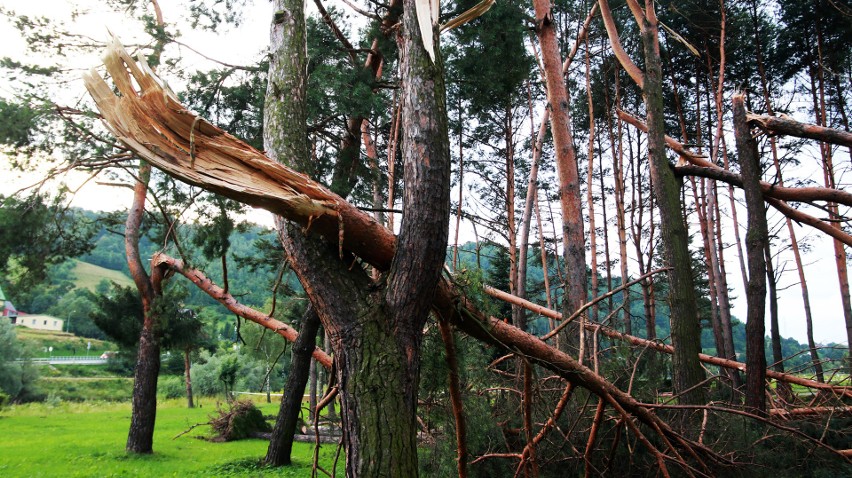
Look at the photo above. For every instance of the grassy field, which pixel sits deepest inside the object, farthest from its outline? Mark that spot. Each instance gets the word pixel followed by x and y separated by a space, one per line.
pixel 87 439
pixel 78 389
pixel 63 343
pixel 88 276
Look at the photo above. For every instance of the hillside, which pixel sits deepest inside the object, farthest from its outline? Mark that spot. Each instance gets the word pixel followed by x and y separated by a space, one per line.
pixel 88 276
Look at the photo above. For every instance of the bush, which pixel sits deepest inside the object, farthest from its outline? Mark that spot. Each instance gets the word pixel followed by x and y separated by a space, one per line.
pixel 248 373
pixel 171 386
pixel 17 379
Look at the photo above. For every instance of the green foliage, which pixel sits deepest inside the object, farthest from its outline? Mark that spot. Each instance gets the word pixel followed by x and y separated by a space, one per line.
pixel 215 14
pixel 231 99
pixel 17 379
pixel 82 389
pixel 488 63
pixel 171 386
pixel 226 371
pixel 336 87
pixel 19 124
pixel 438 457
pixel 120 315
pixel 35 233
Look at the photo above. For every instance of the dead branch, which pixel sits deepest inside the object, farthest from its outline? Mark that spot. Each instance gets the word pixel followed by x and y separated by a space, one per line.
pixel 810 411
pixel 802 194
pixel 455 395
pixel 777 125
pixel 752 416
pixel 668 349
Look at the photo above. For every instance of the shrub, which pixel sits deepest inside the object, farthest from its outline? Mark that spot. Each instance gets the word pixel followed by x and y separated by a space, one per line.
pixel 171 386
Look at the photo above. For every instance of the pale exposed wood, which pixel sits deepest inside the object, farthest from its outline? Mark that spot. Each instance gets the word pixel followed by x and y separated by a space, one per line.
pixel 611 31
pixel 153 123
pixel 811 411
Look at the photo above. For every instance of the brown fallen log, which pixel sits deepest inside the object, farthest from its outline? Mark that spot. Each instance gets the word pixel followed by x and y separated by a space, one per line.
pixel 810 411
pixel 205 284
pixel 665 348
pixel 159 129
pixel 779 125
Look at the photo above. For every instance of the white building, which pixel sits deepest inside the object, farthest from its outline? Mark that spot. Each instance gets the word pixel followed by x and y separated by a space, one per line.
pixel 41 322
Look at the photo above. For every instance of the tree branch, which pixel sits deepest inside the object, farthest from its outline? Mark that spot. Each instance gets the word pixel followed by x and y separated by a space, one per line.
pixel 777 125
pixel 163 261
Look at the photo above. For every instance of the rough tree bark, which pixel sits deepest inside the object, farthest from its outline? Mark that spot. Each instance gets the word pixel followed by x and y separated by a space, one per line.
pixel 375 327
pixel 187 363
pixel 281 442
pixel 140 438
pixel 756 240
pixel 687 373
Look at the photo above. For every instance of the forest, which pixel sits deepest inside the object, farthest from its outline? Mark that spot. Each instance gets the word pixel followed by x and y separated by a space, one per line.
pixel 514 233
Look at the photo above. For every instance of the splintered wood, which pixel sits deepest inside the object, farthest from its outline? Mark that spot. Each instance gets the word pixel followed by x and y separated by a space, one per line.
pixel 147 116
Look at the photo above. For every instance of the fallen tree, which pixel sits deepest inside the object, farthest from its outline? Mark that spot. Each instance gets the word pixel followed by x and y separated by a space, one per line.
pixel 153 123
pixel 838 390
pixel 696 165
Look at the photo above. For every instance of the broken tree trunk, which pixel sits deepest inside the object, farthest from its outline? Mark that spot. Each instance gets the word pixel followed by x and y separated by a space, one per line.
pixel 777 125
pixel 154 124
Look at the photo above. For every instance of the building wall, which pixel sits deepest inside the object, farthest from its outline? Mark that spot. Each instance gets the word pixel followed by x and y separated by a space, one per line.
pixel 41 322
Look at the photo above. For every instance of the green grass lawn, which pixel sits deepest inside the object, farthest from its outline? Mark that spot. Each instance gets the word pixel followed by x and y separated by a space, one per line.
pixel 88 276
pixel 63 343
pixel 80 389
pixel 87 439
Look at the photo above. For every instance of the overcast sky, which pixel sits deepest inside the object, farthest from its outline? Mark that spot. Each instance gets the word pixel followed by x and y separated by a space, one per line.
pixel 243 45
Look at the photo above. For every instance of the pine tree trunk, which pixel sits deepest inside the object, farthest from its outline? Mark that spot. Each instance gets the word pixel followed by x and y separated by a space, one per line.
pixel 281 442
pixel 188 377
pixel 620 222
pixel 524 240
pixel 566 166
pixel 375 328
pixel 687 373
pixel 518 314
pixel 140 438
pixel 756 241
pixel 313 378
pixel 828 172
pixel 590 182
